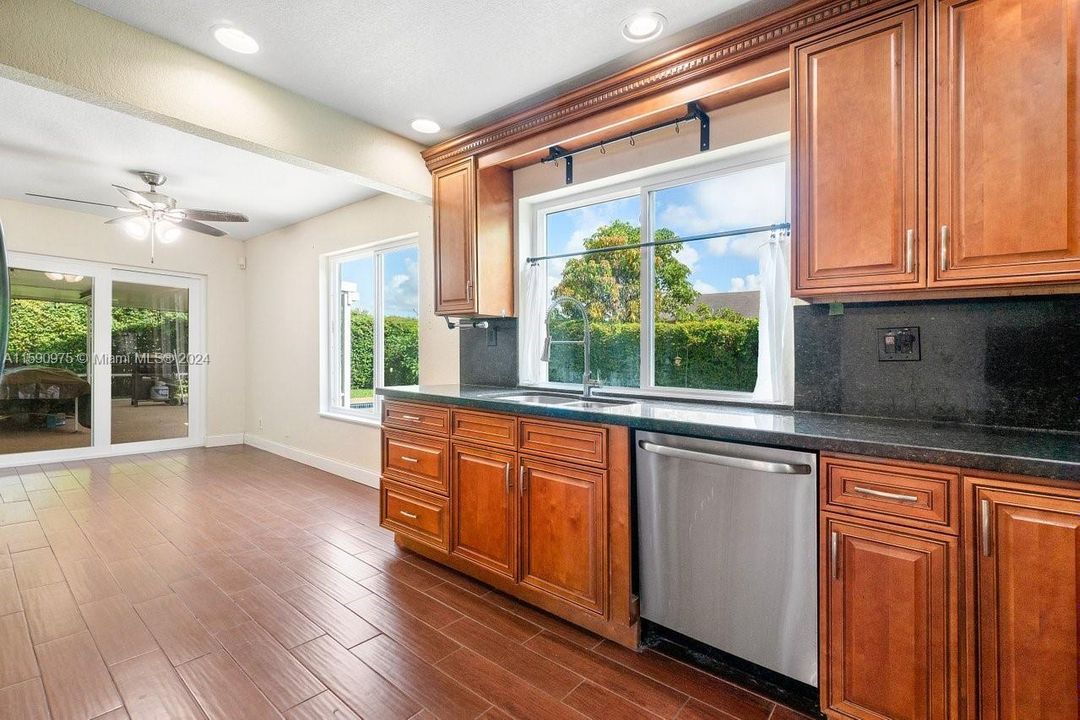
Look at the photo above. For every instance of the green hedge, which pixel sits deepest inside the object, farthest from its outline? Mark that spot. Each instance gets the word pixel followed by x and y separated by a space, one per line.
pixel 718 353
pixel 400 347
pixel 59 331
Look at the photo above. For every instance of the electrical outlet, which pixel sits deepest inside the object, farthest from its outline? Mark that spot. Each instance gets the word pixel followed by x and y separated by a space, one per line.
pixel 899 344
pixel 492 337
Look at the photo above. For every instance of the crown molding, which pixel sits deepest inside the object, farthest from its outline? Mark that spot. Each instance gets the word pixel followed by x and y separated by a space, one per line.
pixel 678 67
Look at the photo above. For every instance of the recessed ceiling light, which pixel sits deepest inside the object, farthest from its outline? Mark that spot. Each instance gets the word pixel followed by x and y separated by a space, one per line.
pixel 643 26
pixel 423 125
pixel 235 39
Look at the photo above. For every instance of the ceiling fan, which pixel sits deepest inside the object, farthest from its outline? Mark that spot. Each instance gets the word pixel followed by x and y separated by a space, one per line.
pixel 154 215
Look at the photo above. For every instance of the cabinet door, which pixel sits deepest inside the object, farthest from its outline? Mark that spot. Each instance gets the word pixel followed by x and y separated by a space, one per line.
pixel 484 523
pixel 563 516
pixel 1008 155
pixel 858 158
pixel 889 651
pixel 455 237
pixel 1028 576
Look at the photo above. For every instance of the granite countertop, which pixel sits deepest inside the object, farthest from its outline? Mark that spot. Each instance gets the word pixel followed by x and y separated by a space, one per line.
pixel 1038 453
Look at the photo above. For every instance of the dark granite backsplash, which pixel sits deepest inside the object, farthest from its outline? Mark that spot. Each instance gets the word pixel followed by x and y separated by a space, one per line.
pixel 484 364
pixel 1005 361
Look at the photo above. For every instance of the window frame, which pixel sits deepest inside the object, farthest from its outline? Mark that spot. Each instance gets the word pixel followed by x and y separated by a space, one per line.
pixel 533 213
pixel 331 338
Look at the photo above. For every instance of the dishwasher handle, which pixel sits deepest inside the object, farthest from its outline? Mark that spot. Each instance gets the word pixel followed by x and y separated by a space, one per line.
pixel 735 461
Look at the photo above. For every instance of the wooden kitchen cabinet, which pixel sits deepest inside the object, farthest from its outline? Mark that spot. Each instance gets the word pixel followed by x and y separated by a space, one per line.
pixel 484 508
pixel 473 229
pixel 858 156
pixel 562 531
pixel 889 602
pixel 1008 142
pixel 1026 563
pixel 537 508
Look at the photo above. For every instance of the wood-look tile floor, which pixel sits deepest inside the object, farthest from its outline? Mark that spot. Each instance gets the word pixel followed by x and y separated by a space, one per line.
pixel 232 584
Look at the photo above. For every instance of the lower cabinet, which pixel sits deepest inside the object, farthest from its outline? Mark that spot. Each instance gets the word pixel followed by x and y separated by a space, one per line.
pixel 888 651
pixel 484 508
pixel 563 523
pixel 1026 604
pixel 538 509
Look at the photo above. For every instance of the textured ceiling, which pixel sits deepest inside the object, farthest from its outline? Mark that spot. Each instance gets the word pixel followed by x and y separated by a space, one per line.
pixel 55 145
pixel 458 62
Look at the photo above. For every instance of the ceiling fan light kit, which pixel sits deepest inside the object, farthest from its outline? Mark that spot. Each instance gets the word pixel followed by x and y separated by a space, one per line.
pixel 154 214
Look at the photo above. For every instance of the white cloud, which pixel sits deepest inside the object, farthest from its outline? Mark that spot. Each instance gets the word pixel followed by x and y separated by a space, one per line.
pixel 403 293
pixel 749 282
pixel 688 256
pixel 704 288
pixel 584 221
pixel 742 199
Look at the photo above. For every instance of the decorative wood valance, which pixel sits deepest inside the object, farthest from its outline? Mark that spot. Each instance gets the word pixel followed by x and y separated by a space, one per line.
pixel 678 67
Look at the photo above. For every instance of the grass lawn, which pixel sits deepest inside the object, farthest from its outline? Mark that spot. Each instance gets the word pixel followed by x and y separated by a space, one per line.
pixel 362 393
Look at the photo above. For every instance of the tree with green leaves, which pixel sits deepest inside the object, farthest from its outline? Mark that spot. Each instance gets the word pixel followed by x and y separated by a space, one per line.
pixel 609 284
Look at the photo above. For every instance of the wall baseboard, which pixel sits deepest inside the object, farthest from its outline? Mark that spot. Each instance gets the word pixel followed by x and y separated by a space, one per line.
pixel 348 471
pixel 222 440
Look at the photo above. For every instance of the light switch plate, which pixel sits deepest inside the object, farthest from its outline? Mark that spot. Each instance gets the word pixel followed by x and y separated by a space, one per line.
pixel 899 344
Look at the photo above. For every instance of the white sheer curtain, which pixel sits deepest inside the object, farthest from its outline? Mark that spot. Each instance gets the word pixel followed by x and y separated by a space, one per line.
pixel 775 332
pixel 530 326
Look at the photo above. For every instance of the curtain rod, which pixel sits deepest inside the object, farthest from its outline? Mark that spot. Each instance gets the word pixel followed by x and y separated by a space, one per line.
pixel 777 227
pixel 694 111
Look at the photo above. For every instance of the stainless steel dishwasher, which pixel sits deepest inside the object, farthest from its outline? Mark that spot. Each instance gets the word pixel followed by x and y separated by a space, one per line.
pixel 727 541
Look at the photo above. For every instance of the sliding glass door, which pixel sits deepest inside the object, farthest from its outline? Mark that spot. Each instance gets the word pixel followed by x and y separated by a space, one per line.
pixel 151 377
pixel 101 360
pixel 45 394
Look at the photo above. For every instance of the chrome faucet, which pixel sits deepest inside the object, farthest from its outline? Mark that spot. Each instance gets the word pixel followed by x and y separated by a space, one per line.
pixel 587 383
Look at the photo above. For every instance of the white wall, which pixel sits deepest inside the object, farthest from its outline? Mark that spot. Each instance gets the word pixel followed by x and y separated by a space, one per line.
pixel 65 233
pixel 283 333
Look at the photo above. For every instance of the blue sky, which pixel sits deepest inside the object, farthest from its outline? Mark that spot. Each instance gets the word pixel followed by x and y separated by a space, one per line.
pixel 756 196
pixel 400 284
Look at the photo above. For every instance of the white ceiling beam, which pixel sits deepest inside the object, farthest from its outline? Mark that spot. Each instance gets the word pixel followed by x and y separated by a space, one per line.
pixel 60 46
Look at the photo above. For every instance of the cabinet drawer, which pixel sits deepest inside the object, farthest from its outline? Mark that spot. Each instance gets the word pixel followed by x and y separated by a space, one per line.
pixel 416 459
pixel 910 495
pixel 580 443
pixel 420 515
pixel 414 416
pixel 486 428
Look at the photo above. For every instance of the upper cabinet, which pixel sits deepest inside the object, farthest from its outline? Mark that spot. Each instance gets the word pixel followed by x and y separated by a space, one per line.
pixel 859 142
pixel 473 229
pixel 1008 134
pixel 937 146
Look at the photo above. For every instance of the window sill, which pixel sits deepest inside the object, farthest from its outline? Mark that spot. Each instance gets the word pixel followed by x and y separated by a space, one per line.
pixel 700 398
pixel 372 421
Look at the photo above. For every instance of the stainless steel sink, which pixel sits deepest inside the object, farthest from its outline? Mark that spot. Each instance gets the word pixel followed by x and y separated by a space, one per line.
pixel 569 401
pixel 536 398
pixel 598 403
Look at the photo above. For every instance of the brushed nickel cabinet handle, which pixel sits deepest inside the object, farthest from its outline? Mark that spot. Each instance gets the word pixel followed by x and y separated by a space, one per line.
pixel 834 554
pixel 909 252
pixel 406 458
pixel 984 526
pixel 468 290
pixel 509 484
pixel 411 516
pixel 885 495
pixel 944 248
pixel 524 480
pixel 413 418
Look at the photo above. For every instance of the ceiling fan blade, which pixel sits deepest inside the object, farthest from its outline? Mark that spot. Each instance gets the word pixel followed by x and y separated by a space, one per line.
pixel 122 218
pixel 134 197
pixel 214 215
pixel 84 202
pixel 201 228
